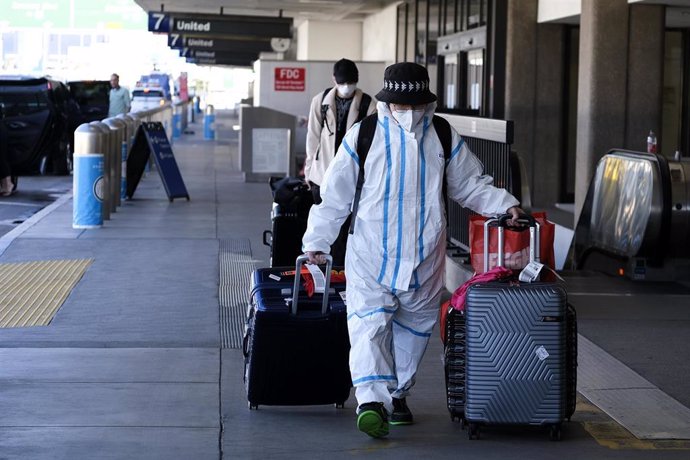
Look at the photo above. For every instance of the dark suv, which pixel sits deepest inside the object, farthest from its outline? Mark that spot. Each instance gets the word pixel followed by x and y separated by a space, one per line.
pixel 93 98
pixel 39 117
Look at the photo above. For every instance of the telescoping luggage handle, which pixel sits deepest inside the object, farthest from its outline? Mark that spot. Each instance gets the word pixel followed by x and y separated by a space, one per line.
pixel 295 289
pixel 501 223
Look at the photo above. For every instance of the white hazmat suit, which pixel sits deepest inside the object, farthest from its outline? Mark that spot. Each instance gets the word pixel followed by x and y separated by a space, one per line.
pixel 395 258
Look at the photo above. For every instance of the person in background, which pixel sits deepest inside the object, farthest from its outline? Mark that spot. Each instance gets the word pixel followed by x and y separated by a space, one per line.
pixel 331 114
pixel 395 257
pixel 119 97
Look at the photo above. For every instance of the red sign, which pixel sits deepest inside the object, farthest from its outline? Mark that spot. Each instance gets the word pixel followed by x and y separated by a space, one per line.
pixel 289 78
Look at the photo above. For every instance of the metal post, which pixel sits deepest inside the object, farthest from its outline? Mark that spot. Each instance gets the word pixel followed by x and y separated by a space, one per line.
pixel 88 177
pixel 130 132
pixel 118 134
pixel 107 158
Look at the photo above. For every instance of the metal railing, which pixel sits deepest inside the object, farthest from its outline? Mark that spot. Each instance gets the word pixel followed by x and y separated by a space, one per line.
pixel 491 141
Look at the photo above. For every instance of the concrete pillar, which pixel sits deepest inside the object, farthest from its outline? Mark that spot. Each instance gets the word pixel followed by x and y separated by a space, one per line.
pixel 521 69
pixel 645 75
pixel 602 82
pixel 546 176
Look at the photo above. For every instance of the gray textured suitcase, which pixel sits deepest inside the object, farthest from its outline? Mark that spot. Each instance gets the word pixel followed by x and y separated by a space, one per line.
pixel 516 351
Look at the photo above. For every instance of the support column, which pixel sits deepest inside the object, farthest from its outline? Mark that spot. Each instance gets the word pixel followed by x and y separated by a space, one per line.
pixel 548 155
pixel 521 70
pixel 602 83
pixel 645 75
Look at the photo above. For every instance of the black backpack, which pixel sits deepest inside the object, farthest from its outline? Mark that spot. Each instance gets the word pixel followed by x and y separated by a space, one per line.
pixel 366 134
pixel 363 108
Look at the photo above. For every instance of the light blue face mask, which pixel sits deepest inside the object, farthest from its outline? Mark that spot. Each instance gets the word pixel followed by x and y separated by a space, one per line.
pixel 408 119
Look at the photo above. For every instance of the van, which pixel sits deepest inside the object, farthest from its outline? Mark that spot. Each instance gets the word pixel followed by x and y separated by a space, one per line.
pixel 146 98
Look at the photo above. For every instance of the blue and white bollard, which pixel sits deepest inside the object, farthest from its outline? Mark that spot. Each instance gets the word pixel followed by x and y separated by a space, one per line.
pixel 177 122
pixel 88 186
pixel 209 123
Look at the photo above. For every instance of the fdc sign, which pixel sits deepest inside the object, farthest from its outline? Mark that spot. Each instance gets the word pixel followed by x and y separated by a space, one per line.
pixel 289 78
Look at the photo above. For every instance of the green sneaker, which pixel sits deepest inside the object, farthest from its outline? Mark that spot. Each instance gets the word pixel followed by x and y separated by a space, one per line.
pixel 401 413
pixel 373 420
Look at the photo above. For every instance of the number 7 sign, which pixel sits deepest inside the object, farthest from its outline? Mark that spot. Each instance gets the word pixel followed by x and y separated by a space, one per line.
pixel 159 22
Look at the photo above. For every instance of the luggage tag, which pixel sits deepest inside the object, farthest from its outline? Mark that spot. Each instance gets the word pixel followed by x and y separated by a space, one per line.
pixel 531 272
pixel 318 277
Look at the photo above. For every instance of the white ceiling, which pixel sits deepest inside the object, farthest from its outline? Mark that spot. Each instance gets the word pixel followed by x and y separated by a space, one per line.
pixel 300 10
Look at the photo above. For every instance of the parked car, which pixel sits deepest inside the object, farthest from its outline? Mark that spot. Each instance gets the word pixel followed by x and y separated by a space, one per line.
pixel 38 117
pixel 147 98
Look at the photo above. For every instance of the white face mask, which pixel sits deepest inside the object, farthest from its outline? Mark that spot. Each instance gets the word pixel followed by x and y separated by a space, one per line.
pixel 346 90
pixel 408 119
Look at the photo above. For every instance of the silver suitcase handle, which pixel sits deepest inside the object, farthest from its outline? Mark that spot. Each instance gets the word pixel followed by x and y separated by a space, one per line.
pixel 500 222
pixel 298 276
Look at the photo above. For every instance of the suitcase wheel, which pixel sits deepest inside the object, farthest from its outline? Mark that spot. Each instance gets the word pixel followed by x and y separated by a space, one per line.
pixel 253 406
pixel 340 405
pixel 555 432
pixel 473 431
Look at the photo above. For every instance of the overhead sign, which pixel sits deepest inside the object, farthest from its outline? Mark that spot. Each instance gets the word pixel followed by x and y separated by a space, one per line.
pixel 289 78
pixel 71 14
pixel 151 138
pixel 159 22
pixel 230 62
pixel 220 25
pixel 222 55
pixel 179 41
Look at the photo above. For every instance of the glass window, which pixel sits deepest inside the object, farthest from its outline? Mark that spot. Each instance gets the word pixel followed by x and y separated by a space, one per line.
pixel 402 31
pixel 473 14
pixel 422 21
pixel 475 79
pixel 53 43
pixel 21 104
pixel 411 31
pixel 433 30
pixel 9 43
pixel 449 13
pixel 67 41
pixel 450 79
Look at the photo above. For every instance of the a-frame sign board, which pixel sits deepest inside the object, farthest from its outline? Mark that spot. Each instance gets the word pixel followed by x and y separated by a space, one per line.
pixel 151 138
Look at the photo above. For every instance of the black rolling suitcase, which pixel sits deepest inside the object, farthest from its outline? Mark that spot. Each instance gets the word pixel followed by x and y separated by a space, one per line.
pixel 292 201
pixel 511 357
pixel 296 348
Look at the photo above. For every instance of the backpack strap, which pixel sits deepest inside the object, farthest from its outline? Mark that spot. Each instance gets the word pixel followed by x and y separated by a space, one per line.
pixel 363 107
pixel 442 128
pixel 324 109
pixel 367 128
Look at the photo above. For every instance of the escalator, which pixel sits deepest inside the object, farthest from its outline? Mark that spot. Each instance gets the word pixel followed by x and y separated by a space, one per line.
pixel 636 218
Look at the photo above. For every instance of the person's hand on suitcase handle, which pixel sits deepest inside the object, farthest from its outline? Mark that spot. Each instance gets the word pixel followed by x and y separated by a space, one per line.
pixel 515 213
pixel 315 257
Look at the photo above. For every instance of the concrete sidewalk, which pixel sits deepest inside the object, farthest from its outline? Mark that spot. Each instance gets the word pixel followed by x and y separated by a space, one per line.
pixel 132 365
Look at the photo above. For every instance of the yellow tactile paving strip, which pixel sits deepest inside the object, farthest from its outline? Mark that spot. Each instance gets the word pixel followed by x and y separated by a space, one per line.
pixel 608 433
pixel 32 292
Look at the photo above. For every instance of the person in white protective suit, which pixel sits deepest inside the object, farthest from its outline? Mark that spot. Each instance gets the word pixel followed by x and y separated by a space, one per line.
pixel 395 257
